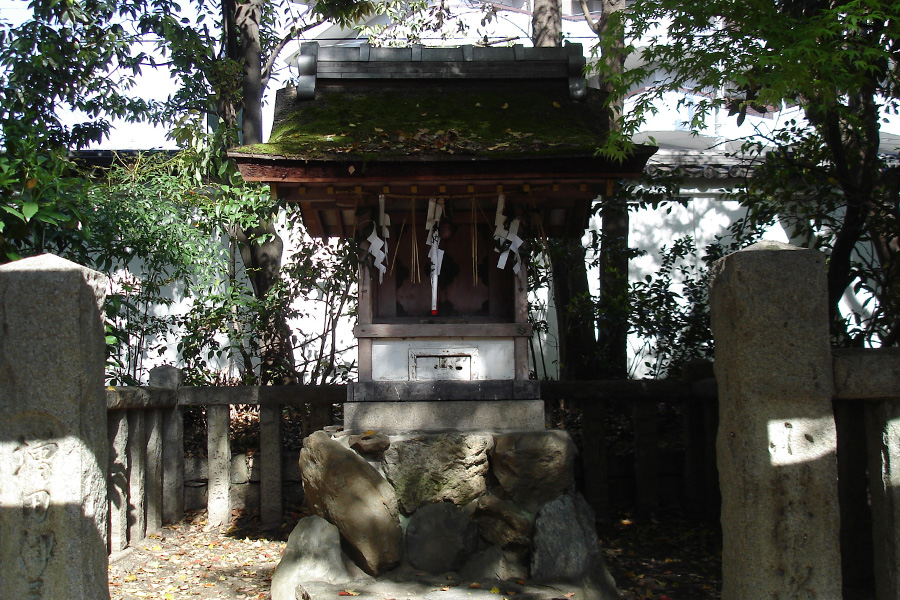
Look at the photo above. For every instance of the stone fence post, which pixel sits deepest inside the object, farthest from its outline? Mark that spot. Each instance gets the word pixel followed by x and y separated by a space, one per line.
pixel 172 440
pixel 776 446
pixel 53 444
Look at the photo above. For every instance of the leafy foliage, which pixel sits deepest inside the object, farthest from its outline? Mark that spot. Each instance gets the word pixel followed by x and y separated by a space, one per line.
pixel 150 237
pixel 229 325
pixel 78 57
pixel 344 12
pixel 411 22
pixel 832 63
pixel 161 226
pixel 41 198
pixel 758 55
pixel 166 227
pixel 672 314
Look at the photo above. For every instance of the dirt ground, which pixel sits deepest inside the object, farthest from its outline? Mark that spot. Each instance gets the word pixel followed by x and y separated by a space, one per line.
pixel 185 560
pixel 665 558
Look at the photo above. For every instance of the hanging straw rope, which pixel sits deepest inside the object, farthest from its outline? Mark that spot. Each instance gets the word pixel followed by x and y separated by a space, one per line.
pixel 542 235
pixel 414 274
pixel 397 245
pixel 474 241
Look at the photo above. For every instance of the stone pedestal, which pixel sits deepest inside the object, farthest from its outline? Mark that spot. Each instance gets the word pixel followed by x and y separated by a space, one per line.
pixel 442 415
pixel 776 442
pixel 53 438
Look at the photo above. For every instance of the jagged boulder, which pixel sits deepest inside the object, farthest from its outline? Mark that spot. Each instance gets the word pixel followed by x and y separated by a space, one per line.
pixel 312 554
pixel 343 488
pixel 534 467
pixel 447 467
pixel 502 523
pixel 566 548
pixel 440 538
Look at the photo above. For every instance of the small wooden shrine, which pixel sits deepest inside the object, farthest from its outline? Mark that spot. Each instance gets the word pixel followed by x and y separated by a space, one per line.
pixel 449 166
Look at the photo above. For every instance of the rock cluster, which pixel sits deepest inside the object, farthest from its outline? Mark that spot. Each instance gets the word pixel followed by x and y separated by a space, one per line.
pixel 464 505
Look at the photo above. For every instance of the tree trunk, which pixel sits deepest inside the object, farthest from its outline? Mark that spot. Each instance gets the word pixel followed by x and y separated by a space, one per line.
pixel 576 329
pixel 262 261
pixel 577 345
pixel 546 23
pixel 247 17
pixel 614 306
pixel 261 247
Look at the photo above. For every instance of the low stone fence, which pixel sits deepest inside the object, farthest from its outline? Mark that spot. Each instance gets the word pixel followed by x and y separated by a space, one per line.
pixel 150 480
pixel 867 422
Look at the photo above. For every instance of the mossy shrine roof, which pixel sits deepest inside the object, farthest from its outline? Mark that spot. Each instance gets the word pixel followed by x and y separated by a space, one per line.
pixel 363 122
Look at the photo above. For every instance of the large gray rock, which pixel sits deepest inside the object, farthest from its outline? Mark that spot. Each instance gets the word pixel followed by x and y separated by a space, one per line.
pixel 341 487
pixel 53 437
pixel 566 548
pixel 534 467
pixel 502 523
pixel 440 537
pixel 776 446
pixel 312 554
pixel 448 467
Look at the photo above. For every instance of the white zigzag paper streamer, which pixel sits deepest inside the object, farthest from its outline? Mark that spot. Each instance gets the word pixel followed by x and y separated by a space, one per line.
pixel 378 247
pixel 378 255
pixel 432 222
pixel 508 238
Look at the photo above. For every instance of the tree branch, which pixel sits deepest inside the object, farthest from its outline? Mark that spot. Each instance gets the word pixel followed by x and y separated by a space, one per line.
pixel 594 25
pixel 273 55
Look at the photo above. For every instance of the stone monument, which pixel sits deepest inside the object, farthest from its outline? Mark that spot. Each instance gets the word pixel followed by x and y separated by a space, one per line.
pixel 776 445
pixel 53 446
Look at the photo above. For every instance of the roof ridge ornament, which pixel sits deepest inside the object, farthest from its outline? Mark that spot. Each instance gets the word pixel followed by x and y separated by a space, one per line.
pixel 314 62
pixel 305 60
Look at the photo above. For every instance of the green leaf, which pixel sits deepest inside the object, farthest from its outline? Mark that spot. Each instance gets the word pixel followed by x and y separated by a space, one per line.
pixel 13 212
pixel 29 209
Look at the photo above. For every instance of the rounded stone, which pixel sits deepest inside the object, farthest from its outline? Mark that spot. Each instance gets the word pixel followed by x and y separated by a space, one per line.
pixel 440 537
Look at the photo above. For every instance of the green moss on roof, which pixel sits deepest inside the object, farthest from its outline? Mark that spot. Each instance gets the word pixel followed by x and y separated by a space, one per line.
pixel 494 123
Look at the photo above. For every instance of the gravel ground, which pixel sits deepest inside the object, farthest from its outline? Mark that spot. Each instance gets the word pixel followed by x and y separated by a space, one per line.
pixel 667 558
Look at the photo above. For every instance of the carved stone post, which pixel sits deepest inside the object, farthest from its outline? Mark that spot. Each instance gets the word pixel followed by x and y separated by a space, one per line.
pixel 53 438
pixel 776 442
